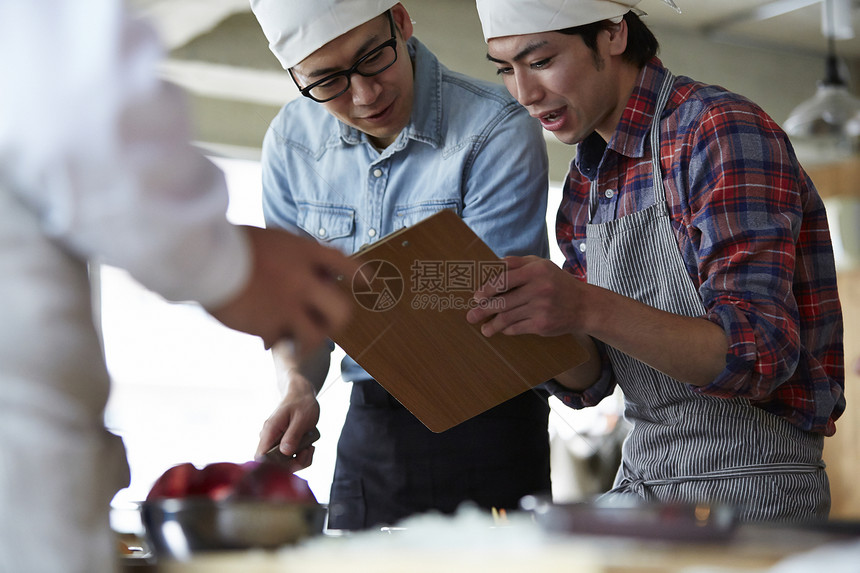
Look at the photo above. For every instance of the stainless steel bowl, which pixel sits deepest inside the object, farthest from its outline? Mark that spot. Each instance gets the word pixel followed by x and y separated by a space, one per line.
pixel 178 528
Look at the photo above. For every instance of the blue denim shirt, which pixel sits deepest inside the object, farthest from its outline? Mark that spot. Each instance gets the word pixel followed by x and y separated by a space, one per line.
pixel 468 147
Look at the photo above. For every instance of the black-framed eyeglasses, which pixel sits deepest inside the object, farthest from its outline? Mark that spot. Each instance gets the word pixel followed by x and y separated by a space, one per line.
pixel 373 62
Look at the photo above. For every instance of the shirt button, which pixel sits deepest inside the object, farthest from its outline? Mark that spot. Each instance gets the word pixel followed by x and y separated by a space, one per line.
pixel 609 193
pixel 377 173
pixel 371 233
pixel 582 247
pixel 321 232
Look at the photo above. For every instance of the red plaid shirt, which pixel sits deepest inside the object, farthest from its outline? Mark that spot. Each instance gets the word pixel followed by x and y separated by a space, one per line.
pixel 751 229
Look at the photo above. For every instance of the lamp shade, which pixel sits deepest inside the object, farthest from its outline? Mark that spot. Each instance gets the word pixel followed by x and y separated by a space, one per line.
pixel 832 112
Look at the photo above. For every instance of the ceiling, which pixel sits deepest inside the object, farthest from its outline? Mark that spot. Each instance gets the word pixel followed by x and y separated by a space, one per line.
pixel 217 51
pixel 790 24
pixel 787 25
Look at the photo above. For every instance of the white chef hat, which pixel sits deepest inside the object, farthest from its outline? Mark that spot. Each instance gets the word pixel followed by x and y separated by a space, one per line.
pixel 516 17
pixel 297 28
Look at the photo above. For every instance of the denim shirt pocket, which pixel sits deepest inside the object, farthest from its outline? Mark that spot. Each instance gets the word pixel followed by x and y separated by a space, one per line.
pixel 330 224
pixel 408 215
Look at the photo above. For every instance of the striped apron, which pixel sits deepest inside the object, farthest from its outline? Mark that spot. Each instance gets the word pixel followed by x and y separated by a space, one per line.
pixel 685 446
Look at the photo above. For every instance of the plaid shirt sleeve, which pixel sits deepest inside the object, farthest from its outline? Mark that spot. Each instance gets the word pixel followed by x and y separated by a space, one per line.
pixel 763 262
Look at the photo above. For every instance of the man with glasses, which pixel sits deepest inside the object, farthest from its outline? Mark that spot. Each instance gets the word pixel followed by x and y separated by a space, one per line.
pixel 384 137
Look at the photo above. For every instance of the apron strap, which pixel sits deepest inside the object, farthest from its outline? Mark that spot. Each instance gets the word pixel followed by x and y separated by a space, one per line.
pixel 656 169
pixel 639 486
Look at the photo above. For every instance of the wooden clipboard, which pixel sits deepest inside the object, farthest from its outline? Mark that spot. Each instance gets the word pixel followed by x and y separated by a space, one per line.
pixel 409 329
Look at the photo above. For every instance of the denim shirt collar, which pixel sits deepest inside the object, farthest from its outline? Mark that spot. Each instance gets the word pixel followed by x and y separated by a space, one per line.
pixel 425 124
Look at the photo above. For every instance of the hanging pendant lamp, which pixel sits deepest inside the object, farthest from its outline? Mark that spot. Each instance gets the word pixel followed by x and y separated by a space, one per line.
pixel 833 112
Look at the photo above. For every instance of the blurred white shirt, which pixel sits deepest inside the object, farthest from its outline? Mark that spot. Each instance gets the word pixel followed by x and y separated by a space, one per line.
pixel 98 147
pixel 95 164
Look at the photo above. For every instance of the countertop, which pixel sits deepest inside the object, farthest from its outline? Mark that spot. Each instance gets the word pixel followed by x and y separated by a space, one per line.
pixel 451 545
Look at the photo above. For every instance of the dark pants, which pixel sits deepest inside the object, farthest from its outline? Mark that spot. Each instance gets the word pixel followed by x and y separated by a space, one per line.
pixel 390 466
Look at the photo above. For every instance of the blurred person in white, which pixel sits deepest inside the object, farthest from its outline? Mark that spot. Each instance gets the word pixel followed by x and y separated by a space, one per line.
pixel 95 164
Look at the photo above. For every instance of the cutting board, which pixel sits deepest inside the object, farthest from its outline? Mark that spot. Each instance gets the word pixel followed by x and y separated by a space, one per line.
pixel 409 329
